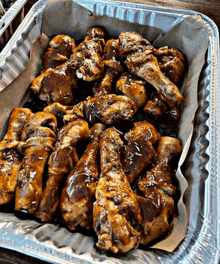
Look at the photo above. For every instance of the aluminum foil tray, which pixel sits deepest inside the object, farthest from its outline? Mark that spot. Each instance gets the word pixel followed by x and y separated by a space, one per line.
pixel 9 21
pixel 202 242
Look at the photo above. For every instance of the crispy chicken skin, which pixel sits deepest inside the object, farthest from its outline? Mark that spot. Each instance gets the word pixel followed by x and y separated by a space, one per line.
pixel 104 86
pixel 157 204
pixel 59 50
pixel 116 213
pixel 86 58
pixel 61 160
pixel 111 57
pixel 10 156
pixel 39 136
pixel 55 85
pixel 171 62
pixel 141 62
pixel 95 32
pixel 109 109
pixel 133 87
pixel 77 197
pixel 138 150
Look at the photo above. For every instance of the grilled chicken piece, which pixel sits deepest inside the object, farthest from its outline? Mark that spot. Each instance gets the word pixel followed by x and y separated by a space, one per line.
pixel 138 151
pixel 147 67
pixel 112 58
pixel 171 62
pixel 39 136
pixel 96 130
pixel 95 32
pixel 58 110
pixel 109 109
pixel 133 87
pixel 59 50
pixel 10 156
pixel 132 42
pixel 61 160
pixel 156 188
pixel 155 106
pixel 77 197
pixel 141 62
pixel 55 85
pixel 86 58
pixel 104 86
pixel 116 213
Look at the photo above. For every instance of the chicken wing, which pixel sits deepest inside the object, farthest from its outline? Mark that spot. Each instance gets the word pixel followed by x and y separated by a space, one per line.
pixel 77 197
pixel 116 213
pixel 109 109
pixel 55 85
pixel 111 57
pixel 138 151
pixel 86 58
pixel 104 86
pixel 133 87
pixel 59 50
pixel 60 163
pixel 10 155
pixel 141 62
pixel 39 136
pixel 156 188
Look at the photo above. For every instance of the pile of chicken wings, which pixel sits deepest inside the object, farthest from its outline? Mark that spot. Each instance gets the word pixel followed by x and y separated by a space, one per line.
pixel 79 146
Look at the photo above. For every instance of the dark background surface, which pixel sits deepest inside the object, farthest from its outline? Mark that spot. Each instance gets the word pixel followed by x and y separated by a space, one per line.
pixel 211 8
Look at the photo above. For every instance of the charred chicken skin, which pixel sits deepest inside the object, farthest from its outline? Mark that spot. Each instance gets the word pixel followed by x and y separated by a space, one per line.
pixel 141 62
pixel 138 150
pixel 133 87
pixel 157 204
pixel 61 160
pixel 116 213
pixel 39 137
pixel 55 85
pixel 10 155
pixel 77 197
pixel 59 50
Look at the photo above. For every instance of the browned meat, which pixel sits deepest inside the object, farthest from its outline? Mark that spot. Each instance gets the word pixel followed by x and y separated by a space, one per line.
pixel 104 86
pixel 59 50
pixel 138 151
pixel 171 62
pixel 10 156
pixel 95 32
pixel 96 130
pixel 147 67
pixel 86 58
pixel 55 85
pixel 130 42
pixel 133 87
pixel 155 106
pixel 156 188
pixel 39 136
pixel 60 163
pixel 141 62
pixel 112 57
pixel 58 110
pixel 77 197
pixel 109 109
pixel 116 213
